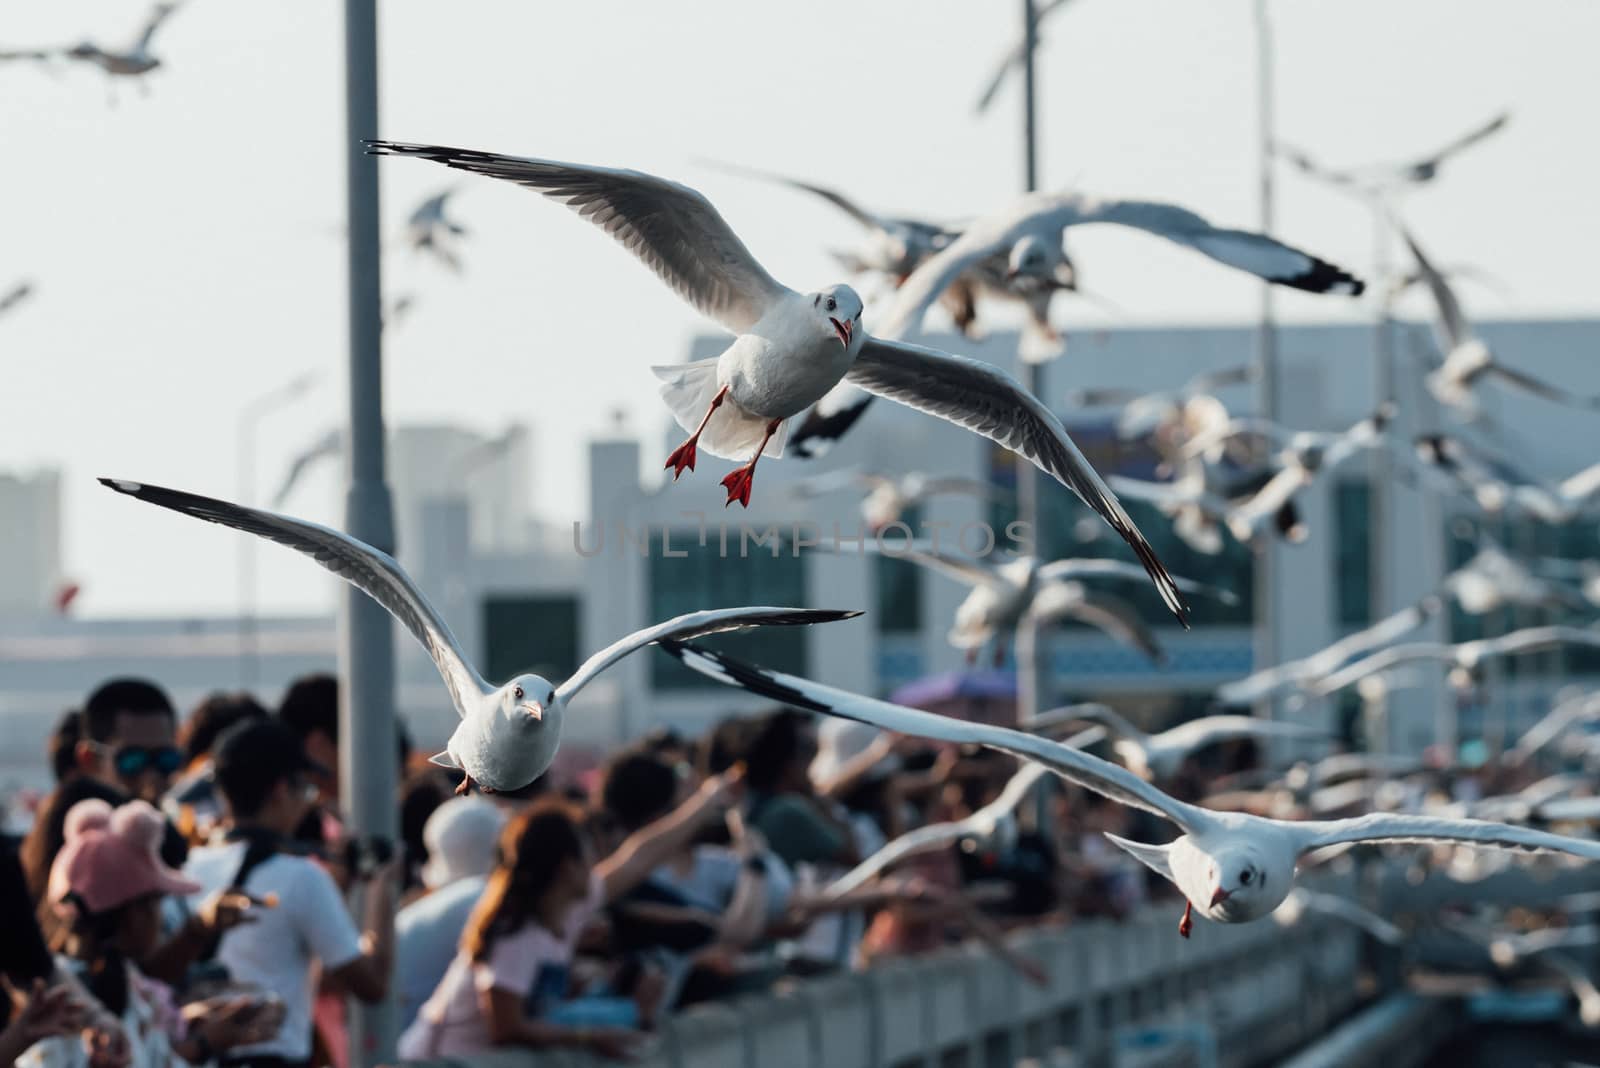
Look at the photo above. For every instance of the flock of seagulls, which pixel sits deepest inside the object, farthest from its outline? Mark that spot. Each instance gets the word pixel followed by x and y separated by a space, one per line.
pixel 800 370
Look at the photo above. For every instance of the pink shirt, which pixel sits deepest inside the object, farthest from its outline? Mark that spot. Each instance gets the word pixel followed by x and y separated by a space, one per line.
pixel 531 962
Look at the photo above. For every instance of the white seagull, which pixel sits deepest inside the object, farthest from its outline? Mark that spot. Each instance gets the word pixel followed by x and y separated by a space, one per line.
pixel 1464 657
pixel 1004 594
pixel 791 348
pixel 1015 54
pixel 429 230
pixel 1301 901
pixel 1029 232
pixel 1493 578
pixel 1568 713
pixel 1180 409
pixel 508 734
pixel 888 496
pixel 326 447
pixel 15 295
pixel 986 824
pixel 1294 674
pixel 134 59
pixel 1159 756
pixel 1467 360
pixel 1231 867
pixel 1200 504
pixel 894 246
pixel 1497 485
pixel 1386 177
pixel 1305 455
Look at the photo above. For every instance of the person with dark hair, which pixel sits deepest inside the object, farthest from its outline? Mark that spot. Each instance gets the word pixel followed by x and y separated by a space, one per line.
pixel 310 708
pixel 511 974
pixel 263 774
pixel 192 804
pixel 211 717
pixel 701 907
pixel 64 745
pixel 126 748
pixel 782 807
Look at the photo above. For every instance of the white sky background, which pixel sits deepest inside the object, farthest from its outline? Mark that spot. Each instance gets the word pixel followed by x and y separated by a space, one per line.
pixel 186 256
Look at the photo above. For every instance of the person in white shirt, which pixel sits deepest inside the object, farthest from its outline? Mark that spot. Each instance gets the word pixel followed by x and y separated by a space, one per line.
pixel 262 771
pixel 461 836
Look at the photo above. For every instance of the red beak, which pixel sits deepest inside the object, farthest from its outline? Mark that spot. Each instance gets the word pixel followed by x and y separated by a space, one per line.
pixel 1219 897
pixel 843 329
pixel 1011 274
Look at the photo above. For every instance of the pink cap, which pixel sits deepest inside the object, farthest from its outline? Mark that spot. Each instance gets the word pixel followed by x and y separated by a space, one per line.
pixel 110 856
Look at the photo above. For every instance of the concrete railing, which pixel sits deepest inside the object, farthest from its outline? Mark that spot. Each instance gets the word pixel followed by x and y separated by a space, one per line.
pixel 1130 995
pixel 1397 1032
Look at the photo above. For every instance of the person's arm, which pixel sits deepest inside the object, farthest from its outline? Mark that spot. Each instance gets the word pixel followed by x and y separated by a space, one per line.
pixel 365 973
pixel 46 1012
pixel 649 847
pixel 509 1026
pixel 219 912
pixel 850 774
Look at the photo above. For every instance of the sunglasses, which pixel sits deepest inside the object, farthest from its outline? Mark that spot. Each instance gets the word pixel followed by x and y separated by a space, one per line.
pixel 132 760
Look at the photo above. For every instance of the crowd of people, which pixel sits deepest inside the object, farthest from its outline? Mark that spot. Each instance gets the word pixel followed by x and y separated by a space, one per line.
pixel 197 897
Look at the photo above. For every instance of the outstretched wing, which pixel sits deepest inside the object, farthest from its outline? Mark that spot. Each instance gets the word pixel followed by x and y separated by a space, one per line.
pixel 694 625
pixel 373 572
pixel 1091 772
pixel 1433 830
pixel 672 228
pixel 1085 567
pixel 986 400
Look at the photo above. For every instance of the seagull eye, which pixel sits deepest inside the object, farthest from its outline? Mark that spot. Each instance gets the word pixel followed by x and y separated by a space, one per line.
pixel 833 305
pixel 517 693
pixel 1245 877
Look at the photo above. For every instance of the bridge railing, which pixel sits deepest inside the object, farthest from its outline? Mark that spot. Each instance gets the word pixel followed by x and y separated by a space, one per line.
pixel 1128 995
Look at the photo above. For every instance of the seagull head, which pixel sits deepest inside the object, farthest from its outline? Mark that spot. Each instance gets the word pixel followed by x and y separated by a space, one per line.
pixel 1241 887
pixel 838 309
pixel 528 702
pixel 1032 257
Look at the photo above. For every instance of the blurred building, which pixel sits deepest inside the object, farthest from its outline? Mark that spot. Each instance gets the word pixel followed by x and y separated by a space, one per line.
pixel 522 595
pixel 30 542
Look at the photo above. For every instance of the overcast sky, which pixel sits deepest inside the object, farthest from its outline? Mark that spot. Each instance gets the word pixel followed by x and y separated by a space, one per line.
pixel 185 245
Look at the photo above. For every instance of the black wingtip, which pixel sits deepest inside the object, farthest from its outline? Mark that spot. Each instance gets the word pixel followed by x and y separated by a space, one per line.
pixel 1324 277
pixel 122 485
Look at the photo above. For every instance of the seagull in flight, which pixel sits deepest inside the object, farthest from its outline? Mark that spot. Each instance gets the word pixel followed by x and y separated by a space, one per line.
pixel 1232 867
pixel 790 348
pixel 1015 55
pixel 1004 594
pixel 894 245
pixel 1296 674
pixel 1157 757
pixel 989 822
pixel 1029 231
pixel 1388 177
pixel 15 295
pixel 888 496
pixel 1305 455
pixel 1184 412
pixel 429 230
pixel 508 734
pixel 1497 485
pixel 132 60
pixel 1467 360
pixel 1463 658
pixel 1302 901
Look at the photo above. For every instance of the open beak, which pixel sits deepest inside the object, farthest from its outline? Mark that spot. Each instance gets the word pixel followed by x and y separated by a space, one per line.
pixel 533 710
pixel 1219 896
pixel 843 329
